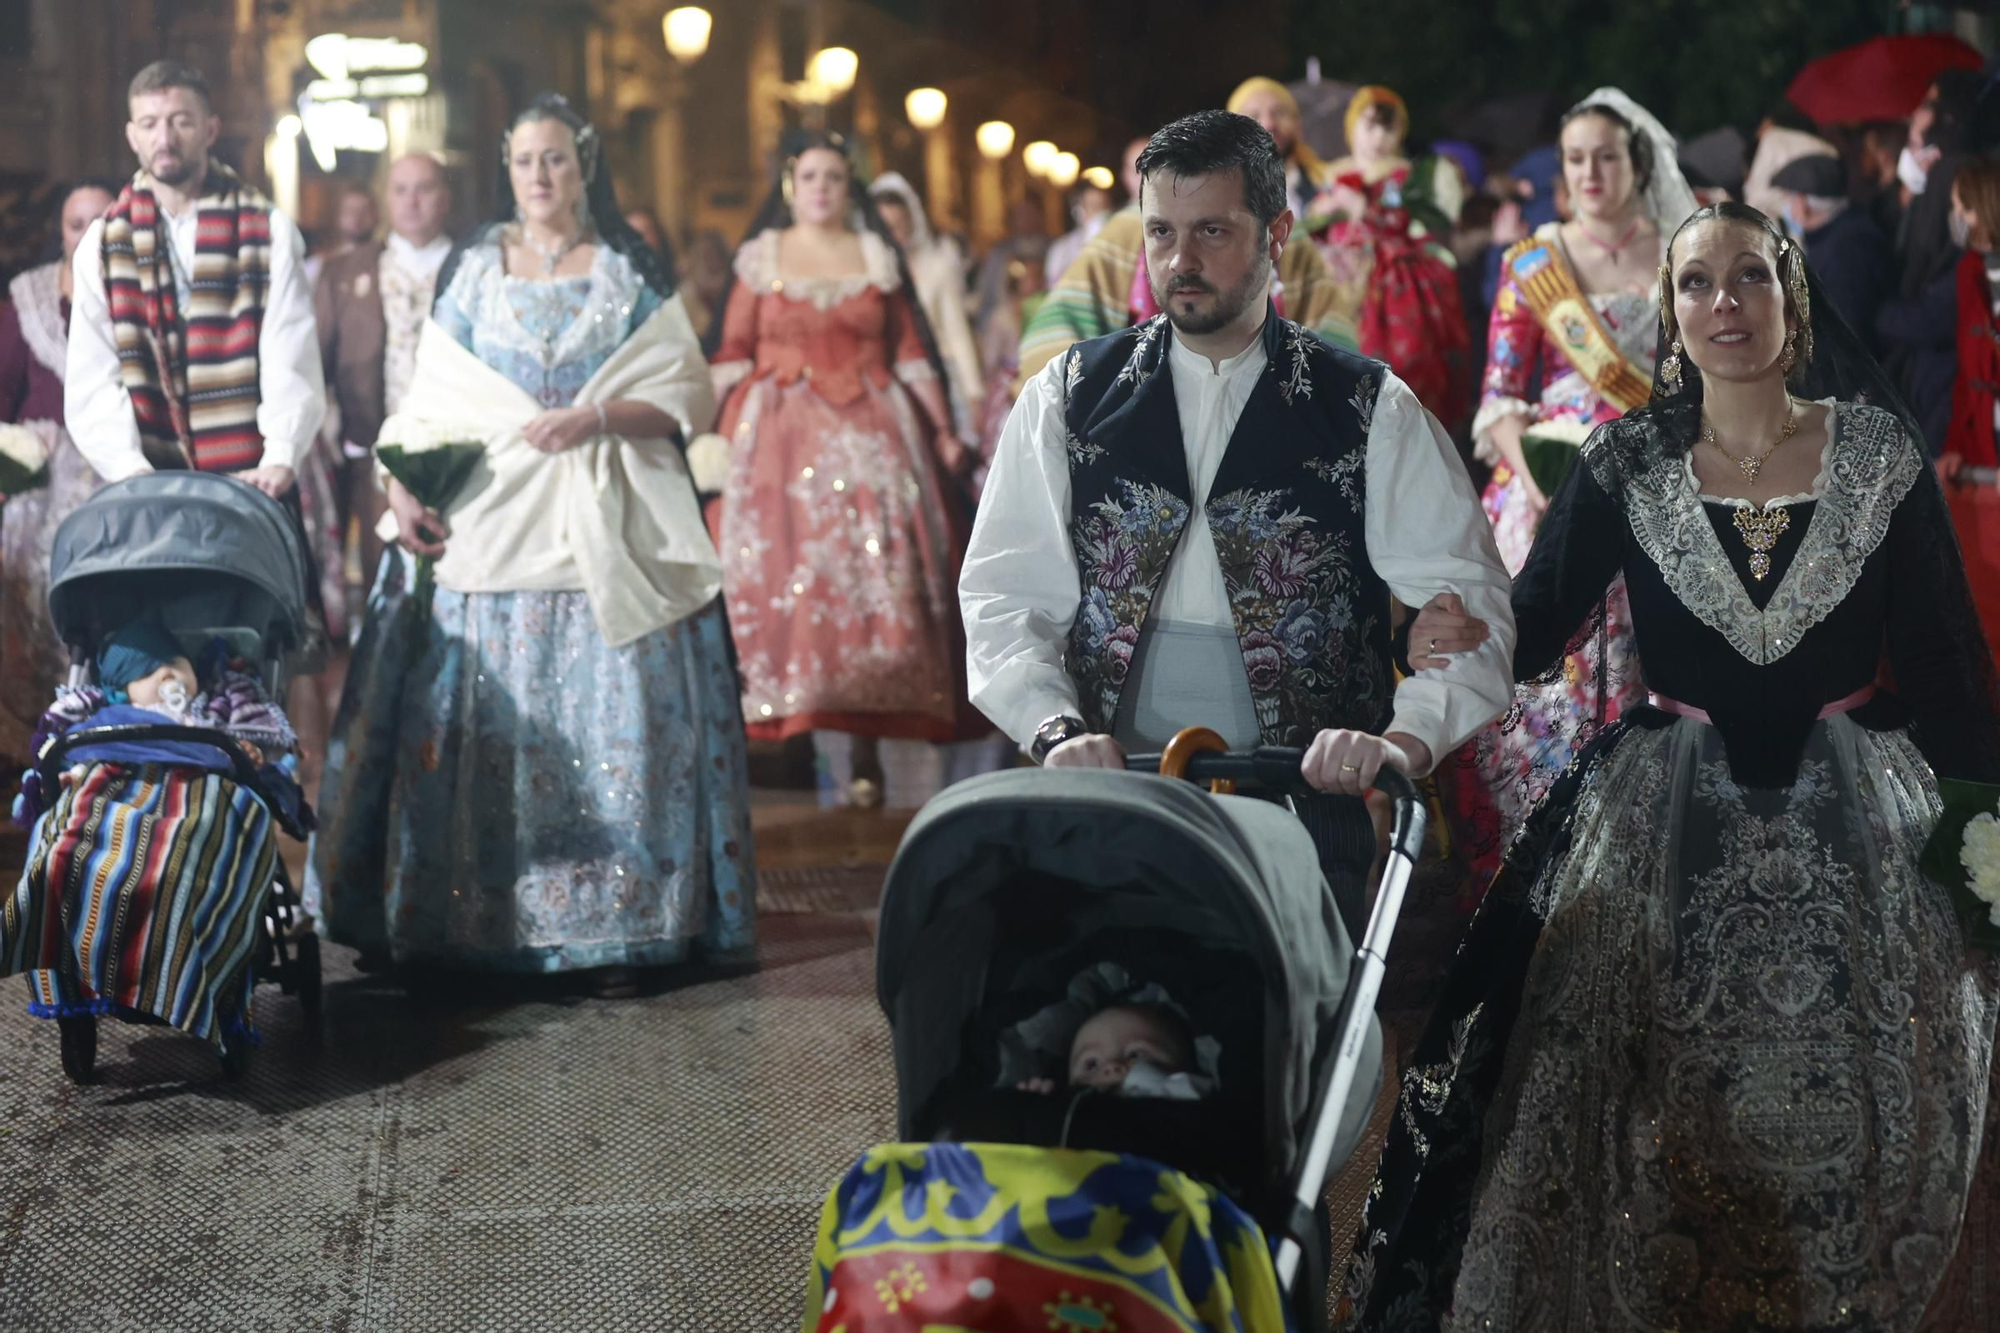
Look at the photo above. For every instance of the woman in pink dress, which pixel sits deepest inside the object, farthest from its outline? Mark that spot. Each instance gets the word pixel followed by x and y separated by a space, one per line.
pixel 841 524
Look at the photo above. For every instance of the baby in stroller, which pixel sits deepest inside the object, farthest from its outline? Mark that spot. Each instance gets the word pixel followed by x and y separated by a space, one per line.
pixel 1068 933
pixel 146 678
pixel 1123 1039
pixel 153 890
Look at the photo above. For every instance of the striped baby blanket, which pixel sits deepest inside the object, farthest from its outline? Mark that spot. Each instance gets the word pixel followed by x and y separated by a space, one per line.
pixel 143 892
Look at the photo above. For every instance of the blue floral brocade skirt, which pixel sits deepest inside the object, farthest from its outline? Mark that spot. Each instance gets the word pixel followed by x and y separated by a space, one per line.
pixel 506 791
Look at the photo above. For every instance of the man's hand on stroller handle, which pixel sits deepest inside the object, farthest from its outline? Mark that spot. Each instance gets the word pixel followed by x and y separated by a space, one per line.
pixel 419 530
pixel 1344 763
pixel 1091 751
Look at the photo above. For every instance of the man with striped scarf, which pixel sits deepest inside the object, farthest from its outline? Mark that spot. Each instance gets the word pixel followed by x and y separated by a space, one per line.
pixel 192 342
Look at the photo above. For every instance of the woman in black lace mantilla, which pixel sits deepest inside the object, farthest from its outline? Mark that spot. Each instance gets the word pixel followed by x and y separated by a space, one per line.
pixel 1715 1055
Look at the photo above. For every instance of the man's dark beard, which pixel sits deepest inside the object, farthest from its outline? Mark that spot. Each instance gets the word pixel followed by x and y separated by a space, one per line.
pixel 190 170
pixel 1228 306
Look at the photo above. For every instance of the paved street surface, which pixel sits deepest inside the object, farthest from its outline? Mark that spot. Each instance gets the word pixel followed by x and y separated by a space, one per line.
pixel 496 1161
pixel 489 1162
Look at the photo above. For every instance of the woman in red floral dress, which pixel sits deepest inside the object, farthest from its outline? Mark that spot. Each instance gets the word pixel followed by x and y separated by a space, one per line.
pixel 840 527
pixel 1386 237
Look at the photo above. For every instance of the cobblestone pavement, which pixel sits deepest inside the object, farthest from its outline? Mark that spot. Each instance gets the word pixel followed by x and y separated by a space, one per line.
pixel 493 1161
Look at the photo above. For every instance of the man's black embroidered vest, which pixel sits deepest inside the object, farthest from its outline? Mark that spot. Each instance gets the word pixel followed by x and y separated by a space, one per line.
pixel 1287 511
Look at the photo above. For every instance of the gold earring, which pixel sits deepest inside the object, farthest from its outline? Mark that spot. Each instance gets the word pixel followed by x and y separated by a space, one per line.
pixel 1791 356
pixel 1670 369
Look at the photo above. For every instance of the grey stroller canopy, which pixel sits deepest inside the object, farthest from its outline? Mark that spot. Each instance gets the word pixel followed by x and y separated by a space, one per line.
pixel 1129 852
pixel 198 551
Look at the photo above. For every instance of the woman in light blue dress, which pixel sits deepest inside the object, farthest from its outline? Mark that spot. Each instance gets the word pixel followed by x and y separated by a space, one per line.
pixel 513 786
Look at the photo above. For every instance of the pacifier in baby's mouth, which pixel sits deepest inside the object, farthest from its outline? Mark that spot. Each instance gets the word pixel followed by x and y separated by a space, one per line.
pixel 173 697
pixel 1146 1079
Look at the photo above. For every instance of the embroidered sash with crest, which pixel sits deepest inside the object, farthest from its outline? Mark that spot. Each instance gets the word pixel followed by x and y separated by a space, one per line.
pixel 1552 293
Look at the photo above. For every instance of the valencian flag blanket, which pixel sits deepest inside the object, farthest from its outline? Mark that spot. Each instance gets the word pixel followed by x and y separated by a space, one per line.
pixel 1000 1238
pixel 143 892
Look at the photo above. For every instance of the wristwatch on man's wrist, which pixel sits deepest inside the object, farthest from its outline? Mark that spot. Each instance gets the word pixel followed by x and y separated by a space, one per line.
pixel 1060 728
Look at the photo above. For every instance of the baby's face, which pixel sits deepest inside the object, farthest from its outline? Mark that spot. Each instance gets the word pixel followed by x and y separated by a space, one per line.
pixel 1111 1042
pixel 151 691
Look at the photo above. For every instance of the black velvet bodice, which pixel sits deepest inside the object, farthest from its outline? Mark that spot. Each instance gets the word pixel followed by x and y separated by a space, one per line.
pixel 1865 585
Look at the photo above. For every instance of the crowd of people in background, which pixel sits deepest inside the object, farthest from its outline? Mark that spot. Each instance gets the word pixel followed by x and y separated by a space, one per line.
pixel 865 361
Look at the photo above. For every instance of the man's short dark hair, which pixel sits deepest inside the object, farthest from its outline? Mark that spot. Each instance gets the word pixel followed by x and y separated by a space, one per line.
pixel 1208 142
pixel 164 74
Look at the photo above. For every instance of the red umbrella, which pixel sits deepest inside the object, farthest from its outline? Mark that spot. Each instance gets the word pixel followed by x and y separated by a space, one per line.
pixel 1883 78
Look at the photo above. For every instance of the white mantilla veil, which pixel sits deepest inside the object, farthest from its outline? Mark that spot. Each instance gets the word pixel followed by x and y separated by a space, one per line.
pixel 1668 199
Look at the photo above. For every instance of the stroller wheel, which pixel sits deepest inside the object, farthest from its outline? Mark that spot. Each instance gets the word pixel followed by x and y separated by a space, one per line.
pixel 79 1048
pixel 305 960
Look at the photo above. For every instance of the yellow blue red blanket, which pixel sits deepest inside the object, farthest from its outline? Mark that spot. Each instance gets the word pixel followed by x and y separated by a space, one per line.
pixel 990 1238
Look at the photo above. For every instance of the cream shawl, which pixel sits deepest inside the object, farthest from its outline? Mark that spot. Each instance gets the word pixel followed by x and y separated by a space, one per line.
pixel 616 518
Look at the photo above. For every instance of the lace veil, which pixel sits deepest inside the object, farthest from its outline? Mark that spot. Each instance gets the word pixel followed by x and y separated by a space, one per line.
pixel 1667 197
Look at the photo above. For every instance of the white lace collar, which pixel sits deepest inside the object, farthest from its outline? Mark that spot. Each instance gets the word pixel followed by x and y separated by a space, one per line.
pixel 1870 464
pixel 1817 489
pixel 757 265
pixel 37 297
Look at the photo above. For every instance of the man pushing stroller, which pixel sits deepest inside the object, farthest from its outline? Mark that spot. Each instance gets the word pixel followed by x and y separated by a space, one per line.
pixel 1202 520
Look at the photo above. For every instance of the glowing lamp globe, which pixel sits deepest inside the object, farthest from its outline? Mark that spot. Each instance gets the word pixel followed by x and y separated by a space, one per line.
pixel 1037 156
pixel 925 107
pixel 834 69
pixel 686 30
pixel 995 139
pixel 1099 177
pixel 1063 169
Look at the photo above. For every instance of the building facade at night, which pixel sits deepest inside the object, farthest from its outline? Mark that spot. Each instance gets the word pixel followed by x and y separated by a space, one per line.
pixel 693 140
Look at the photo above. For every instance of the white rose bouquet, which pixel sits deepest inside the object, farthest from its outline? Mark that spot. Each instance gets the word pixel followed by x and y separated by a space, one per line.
pixel 1550 447
pixel 432 461
pixel 1964 855
pixel 24 460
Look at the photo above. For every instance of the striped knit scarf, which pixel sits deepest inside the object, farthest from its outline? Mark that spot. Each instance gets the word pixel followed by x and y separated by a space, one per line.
pixel 192 374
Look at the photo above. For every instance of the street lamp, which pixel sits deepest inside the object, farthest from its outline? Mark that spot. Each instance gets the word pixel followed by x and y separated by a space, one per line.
pixel 1037 156
pixel 686 30
pixel 1099 177
pixel 833 70
pixel 995 139
pixel 925 107
pixel 1063 168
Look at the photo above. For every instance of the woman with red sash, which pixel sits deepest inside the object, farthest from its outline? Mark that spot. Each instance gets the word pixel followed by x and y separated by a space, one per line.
pixel 1571 344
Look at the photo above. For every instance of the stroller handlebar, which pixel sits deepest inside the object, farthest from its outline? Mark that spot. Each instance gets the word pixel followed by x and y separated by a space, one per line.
pixel 1273 766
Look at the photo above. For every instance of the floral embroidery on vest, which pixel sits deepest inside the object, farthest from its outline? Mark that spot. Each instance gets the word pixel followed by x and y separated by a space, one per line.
pixel 1122 548
pixel 1297 384
pixel 1296 597
pixel 1135 372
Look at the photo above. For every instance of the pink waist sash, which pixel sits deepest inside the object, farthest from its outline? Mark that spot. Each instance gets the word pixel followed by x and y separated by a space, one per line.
pixel 1845 704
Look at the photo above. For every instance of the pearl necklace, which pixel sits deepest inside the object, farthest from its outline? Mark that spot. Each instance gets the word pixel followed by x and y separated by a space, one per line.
pixel 551 257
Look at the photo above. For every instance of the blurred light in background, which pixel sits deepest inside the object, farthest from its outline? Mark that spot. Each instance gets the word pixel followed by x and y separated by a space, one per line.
pixel 925 107
pixel 995 139
pixel 686 30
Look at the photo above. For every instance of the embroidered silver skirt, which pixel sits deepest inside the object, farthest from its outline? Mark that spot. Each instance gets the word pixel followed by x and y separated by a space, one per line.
pixel 1750 1074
